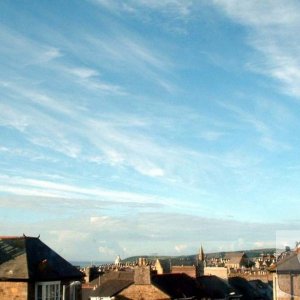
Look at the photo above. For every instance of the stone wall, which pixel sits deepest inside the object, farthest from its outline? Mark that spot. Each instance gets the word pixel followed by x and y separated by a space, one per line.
pixel 10 290
pixel 188 270
pixel 13 290
pixel 142 275
pixel 217 271
pixel 142 292
pixel 286 286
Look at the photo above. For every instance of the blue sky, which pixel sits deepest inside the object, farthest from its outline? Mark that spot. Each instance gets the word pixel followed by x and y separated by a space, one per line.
pixel 139 127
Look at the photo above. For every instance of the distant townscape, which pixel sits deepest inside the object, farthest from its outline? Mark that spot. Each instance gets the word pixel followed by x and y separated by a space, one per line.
pixel 30 270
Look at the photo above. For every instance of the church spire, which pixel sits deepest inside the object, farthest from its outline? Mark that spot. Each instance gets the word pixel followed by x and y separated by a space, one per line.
pixel 201 256
pixel 201 264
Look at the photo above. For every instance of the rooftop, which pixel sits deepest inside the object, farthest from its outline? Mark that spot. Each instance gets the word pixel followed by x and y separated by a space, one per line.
pixel 29 258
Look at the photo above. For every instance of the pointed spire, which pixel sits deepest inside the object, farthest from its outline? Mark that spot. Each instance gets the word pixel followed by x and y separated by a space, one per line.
pixel 201 254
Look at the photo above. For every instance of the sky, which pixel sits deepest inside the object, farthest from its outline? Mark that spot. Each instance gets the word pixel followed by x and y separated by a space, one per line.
pixel 149 127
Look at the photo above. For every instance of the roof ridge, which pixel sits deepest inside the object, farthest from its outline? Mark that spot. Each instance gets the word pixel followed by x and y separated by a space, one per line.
pixel 17 237
pixel 5 237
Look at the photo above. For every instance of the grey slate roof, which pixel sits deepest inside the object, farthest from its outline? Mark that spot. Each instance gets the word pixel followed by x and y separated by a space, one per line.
pixel 290 263
pixel 111 288
pixel 177 286
pixel 28 258
pixel 109 284
pixel 165 264
pixel 251 290
pixel 113 275
pixel 235 257
pixel 216 288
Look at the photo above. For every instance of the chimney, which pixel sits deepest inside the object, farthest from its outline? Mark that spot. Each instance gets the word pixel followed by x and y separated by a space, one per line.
pixel 88 274
pixel 142 261
pixel 142 275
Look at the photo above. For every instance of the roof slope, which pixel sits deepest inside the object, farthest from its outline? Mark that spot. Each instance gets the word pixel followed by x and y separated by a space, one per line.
pixel 29 258
pixel 235 257
pixel 214 287
pixel 111 287
pixel 13 261
pixel 165 264
pixel 290 263
pixel 176 285
pixel 244 288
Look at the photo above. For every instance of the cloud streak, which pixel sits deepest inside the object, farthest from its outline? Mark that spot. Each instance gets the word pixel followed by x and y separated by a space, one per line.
pixel 106 236
pixel 127 121
pixel 273 34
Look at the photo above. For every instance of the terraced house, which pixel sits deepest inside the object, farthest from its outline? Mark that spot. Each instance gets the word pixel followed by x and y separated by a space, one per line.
pixel 30 270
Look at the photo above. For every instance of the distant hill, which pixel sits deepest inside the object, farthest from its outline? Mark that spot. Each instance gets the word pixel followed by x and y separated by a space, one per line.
pixel 189 260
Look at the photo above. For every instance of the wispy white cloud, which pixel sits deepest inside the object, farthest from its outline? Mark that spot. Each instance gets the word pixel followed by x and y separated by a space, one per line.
pixel 39 127
pixel 172 233
pixel 11 118
pixel 273 34
pixel 102 141
pixel 49 54
pixel 126 52
pixel 170 7
pixel 90 79
pixel 83 72
pixel 129 142
pixel 116 144
pixel 34 96
pixel 35 187
pixel 25 51
pixel 211 135
pixel 180 248
pixel 267 136
pixel 267 13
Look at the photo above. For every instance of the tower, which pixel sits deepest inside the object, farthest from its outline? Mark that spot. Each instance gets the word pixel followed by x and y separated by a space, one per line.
pixel 201 263
pixel 201 256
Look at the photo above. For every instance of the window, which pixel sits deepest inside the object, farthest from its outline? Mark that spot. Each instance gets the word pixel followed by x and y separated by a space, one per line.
pixel 74 288
pixel 72 292
pixel 49 290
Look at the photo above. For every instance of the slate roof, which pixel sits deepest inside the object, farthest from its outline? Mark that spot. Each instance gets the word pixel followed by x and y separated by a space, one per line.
pixel 108 284
pixel 110 288
pixel 264 290
pixel 244 287
pixel 290 263
pixel 235 257
pixel 176 285
pixel 216 288
pixel 28 258
pixel 165 264
pixel 113 275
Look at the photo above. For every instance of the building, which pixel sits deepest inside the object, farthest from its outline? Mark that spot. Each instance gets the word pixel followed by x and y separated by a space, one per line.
pixel 286 276
pixel 264 261
pixel 188 270
pixel 193 268
pixel 142 284
pixel 118 260
pixel 162 266
pixel 164 286
pixel 201 263
pixel 213 287
pixel 109 289
pixel 236 260
pixel 107 285
pixel 253 289
pixel 221 272
pixel 30 270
